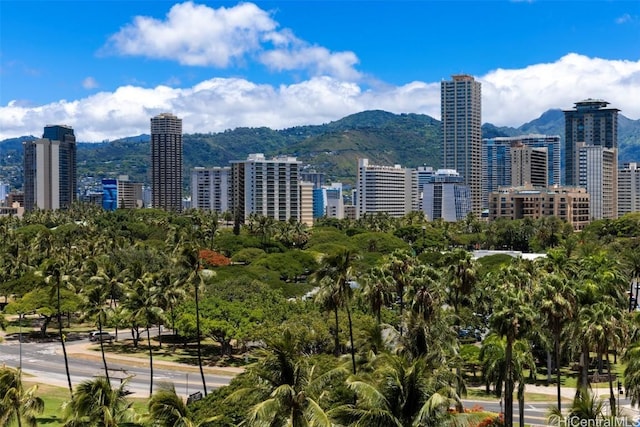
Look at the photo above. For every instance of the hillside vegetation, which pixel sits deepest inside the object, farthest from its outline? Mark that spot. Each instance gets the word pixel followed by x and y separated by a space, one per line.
pixel 333 148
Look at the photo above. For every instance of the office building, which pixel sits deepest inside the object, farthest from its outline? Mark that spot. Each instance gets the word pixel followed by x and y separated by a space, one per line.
pixel 50 169
pixel 121 194
pixel 385 189
pixel 4 192
pixel 446 197
pixel 306 203
pixel 496 160
pixel 598 174
pixel 591 123
pixel 267 187
pixel 166 162
pixel 591 154
pixel 461 118
pixel 211 189
pixel 528 166
pixel 628 189
pixel 568 204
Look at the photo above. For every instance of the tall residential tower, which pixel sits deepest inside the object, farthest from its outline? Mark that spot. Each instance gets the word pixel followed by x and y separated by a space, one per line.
pixel 591 154
pixel 461 118
pixel 166 162
pixel 50 169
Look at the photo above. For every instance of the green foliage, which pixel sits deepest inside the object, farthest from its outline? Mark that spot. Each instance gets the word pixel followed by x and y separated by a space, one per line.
pixel 247 255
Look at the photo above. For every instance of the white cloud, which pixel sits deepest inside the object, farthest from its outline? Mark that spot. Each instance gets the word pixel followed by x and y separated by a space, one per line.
pixel 198 35
pixel 89 83
pixel 624 19
pixel 510 98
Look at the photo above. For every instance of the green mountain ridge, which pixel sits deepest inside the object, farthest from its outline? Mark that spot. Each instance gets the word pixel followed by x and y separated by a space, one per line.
pixel 385 138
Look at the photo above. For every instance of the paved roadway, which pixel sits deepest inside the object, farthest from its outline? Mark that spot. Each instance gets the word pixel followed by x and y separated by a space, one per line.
pixel 46 362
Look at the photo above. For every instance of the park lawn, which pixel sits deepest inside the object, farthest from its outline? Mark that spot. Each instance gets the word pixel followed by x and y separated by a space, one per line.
pixel 477 394
pixel 54 397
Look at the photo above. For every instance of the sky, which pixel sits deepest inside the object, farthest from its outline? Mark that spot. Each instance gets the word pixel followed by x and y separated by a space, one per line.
pixel 105 67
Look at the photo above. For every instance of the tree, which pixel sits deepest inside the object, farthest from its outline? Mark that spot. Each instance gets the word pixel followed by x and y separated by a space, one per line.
pixel 338 269
pixel 96 403
pixel 377 290
pixel 399 393
pixel 16 403
pixel 512 318
pixel 95 307
pixel 189 260
pixel 167 409
pixel 400 266
pixel 287 388
pixel 54 276
pixel 556 303
pixel 142 310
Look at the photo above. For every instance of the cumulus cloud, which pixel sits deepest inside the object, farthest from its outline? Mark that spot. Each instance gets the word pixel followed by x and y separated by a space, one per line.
pixel 510 98
pixel 89 83
pixel 198 35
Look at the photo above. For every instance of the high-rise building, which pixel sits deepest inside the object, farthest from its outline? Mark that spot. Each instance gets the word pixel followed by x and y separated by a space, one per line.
pixel 211 189
pixel 598 174
pixel 121 194
pixel 446 197
pixel 590 122
pixel 496 160
pixel 4 192
pixel 267 187
pixel 528 166
pixel 50 169
pixel 629 188
pixel 461 118
pixel 385 189
pixel 166 162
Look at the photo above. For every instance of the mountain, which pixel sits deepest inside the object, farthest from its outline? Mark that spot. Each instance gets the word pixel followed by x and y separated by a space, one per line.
pixel 385 138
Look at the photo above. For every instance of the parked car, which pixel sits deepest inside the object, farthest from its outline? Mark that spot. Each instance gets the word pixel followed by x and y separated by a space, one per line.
pixel 103 336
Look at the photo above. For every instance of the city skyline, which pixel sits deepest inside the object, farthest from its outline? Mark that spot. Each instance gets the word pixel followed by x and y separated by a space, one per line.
pixel 222 65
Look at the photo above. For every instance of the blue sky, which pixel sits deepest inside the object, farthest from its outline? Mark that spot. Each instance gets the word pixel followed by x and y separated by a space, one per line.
pixel 220 65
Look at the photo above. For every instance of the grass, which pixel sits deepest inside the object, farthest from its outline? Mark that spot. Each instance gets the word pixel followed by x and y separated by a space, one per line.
pixel 477 394
pixel 54 397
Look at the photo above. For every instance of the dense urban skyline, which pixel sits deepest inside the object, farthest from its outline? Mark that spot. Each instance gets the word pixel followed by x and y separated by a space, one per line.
pixel 221 65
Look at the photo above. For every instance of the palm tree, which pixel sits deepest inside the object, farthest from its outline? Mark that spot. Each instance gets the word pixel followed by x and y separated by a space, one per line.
pixel 16 403
pixel 54 276
pixel 189 260
pixel 512 318
pixel 286 387
pixel 167 409
pixel 377 290
pixel 585 407
pixel 96 403
pixel 557 301
pixel 95 307
pixel 338 268
pixel 143 310
pixel 399 393
pixel 400 266
pixel 632 373
pixel 603 325
pixel 494 365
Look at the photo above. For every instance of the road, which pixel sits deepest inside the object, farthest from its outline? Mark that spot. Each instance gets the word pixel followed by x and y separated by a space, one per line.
pixel 535 413
pixel 46 362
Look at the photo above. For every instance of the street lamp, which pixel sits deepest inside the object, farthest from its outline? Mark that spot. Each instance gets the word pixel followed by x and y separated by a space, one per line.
pixel 20 337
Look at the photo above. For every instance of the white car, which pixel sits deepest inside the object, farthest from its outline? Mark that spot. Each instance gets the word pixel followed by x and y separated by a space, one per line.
pixel 103 336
